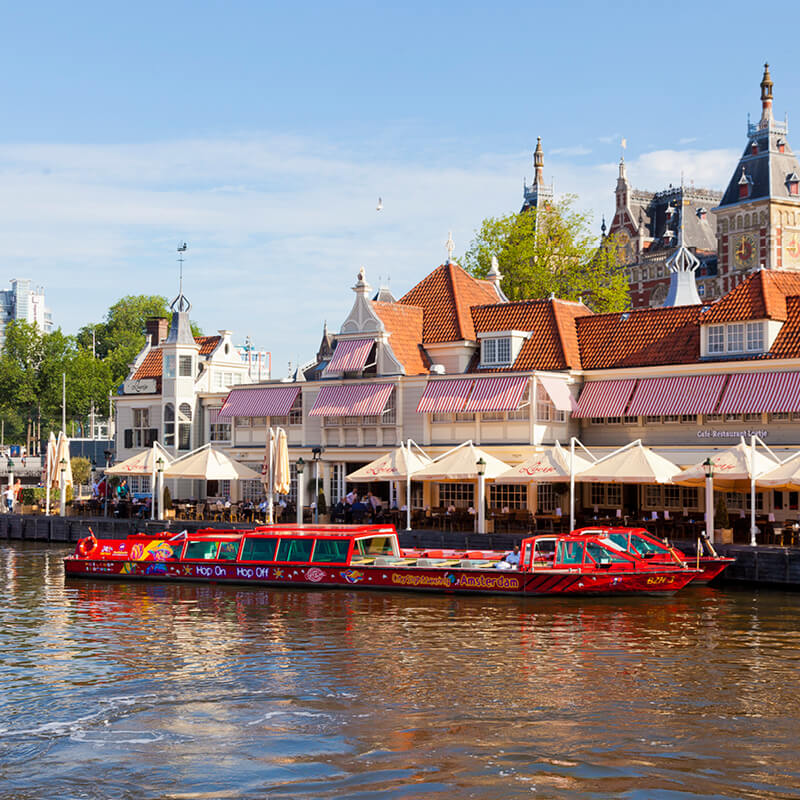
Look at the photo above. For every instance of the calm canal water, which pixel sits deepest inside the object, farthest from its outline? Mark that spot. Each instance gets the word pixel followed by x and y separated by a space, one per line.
pixel 114 690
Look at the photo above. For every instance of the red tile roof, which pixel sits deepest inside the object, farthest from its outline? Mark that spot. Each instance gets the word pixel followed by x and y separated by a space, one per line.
pixel 553 343
pixel 647 337
pixel 445 297
pixel 151 367
pixel 404 323
pixel 762 295
pixel 787 342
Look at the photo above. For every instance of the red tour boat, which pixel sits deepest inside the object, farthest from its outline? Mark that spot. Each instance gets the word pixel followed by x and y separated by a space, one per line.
pixel 641 543
pixel 369 557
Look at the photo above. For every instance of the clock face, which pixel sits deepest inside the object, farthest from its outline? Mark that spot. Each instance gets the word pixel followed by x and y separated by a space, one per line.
pixel 791 249
pixel 744 251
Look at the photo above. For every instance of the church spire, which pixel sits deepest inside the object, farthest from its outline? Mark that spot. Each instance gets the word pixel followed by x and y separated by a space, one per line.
pixel 766 96
pixel 537 193
pixel 538 163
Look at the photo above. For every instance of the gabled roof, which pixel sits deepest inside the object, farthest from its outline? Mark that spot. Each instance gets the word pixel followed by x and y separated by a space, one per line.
pixel 645 337
pixel 151 366
pixel 553 343
pixel 445 297
pixel 762 295
pixel 404 323
pixel 787 342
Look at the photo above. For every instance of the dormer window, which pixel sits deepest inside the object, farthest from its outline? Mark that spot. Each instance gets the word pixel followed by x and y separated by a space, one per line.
pixel 501 348
pixel 496 351
pixel 792 181
pixel 744 186
pixel 735 337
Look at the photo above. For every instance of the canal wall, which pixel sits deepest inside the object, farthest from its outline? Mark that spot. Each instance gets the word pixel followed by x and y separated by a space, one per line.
pixel 777 567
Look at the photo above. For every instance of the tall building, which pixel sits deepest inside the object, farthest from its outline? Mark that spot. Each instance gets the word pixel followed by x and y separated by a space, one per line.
pixel 538 192
pixel 758 218
pixel 22 302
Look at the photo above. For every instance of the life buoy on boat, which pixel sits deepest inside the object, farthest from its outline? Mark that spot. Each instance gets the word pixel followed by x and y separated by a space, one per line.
pixel 85 546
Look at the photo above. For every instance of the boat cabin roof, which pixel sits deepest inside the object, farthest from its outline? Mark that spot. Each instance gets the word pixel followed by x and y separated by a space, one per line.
pixel 312 531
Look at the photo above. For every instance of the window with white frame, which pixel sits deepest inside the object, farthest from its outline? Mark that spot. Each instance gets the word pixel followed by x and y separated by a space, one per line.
pixel 598 494
pixel 496 351
pixel 736 338
pixel 755 336
pixel 460 495
pixel 672 497
pixel 465 416
pixel 544 405
pixel 524 409
pixel 716 339
pixel 338 485
pixel 139 484
pixel 169 425
pixel 169 366
pixel 184 427
pixel 613 494
pixel 252 491
pixel 492 416
pixel 296 411
pixel 243 422
pixel 185 366
pixel 441 418
pixel 545 498
pixel 141 427
pixel 508 495
pixel 219 429
pixel 652 496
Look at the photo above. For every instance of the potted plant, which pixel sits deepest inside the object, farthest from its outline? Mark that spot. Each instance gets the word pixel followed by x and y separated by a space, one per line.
pixel 322 508
pixel 169 511
pixel 723 532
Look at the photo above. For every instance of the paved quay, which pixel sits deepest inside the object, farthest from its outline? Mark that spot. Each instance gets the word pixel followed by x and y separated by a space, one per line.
pixel 767 566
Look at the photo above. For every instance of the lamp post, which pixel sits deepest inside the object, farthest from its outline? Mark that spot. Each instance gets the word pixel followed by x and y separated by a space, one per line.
pixel 300 467
pixel 62 465
pixel 480 465
pixel 160 487
pixel 316 452
pixel 708 466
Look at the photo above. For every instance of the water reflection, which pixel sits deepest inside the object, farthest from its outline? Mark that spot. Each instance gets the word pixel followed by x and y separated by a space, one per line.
pixel 148 690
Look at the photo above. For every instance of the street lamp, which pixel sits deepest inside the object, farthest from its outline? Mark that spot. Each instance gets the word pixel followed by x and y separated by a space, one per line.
pixel 300 468
pixel 160 487
pixel 62 465
pixel 316 452
pixel 708 467
pixel 480 465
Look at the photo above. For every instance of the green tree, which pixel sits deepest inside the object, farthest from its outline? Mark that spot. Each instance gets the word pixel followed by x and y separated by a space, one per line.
pixel 81 469
pixel 550 250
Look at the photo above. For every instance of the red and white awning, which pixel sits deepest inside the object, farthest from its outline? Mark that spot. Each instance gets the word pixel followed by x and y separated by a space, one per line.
pixel 264 401
pixel 444 397
pixel 765 392
pixel 496 394
pixel 605 398
pixel 352 400
pixel 350 355
pixel 686 394
pixel 559 393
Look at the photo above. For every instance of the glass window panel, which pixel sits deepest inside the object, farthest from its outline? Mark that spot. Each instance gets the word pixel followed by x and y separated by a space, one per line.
pixel 294 549
pixel 228 550
pixel 259 548
pixel 735 338
pixel 201 550
pixel 716 339
pixel 329 551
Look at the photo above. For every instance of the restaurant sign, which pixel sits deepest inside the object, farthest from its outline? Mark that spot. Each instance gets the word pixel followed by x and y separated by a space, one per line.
pixel 142 386
pixel 762 433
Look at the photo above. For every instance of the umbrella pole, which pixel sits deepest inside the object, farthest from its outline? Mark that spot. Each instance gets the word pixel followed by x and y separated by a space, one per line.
pixel 408 487
pixel 153 486
pixel 572 483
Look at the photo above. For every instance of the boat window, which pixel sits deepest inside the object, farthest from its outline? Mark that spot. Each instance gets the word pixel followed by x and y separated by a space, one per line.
pixel 602 555
pixel 544 550
pixel 376 546
pixel 176 550
pixel 526 553
pixel 201 550
pixel 642 546
pixel 294 549
pixel 330 550
pixel 228 550
pixel 259 548
pixel 570 552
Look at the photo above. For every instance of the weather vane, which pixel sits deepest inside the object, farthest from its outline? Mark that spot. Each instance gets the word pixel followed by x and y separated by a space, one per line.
pixel 181 303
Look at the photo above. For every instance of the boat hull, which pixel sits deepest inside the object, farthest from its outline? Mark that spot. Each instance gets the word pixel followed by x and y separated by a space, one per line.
pixel 545 582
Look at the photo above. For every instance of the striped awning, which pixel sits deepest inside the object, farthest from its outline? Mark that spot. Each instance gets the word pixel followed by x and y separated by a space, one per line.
pixel 559 393
pixel 605 398
pixel 697 394
pixel 352 400
pixel 264 401
pixel 496 394
pixel 764 392
pixel 350 355
pixel 443 397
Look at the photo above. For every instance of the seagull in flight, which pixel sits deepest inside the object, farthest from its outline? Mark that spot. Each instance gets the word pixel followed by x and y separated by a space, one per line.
pixel 380 204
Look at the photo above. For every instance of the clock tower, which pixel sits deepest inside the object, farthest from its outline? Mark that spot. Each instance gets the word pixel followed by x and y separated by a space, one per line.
pixel 758 218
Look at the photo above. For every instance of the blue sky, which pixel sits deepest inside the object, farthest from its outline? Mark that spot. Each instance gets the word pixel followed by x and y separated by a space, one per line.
pixel 262 134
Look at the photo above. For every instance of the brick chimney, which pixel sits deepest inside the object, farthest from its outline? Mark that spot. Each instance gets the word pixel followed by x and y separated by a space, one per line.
pixel 156 330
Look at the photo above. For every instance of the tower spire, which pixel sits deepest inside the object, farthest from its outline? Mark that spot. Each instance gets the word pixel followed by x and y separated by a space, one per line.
pixel 766 96
pixel 538 163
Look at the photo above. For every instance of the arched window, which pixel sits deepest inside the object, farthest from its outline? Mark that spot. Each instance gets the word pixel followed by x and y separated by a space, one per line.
pixel 185 411
pixel 184 427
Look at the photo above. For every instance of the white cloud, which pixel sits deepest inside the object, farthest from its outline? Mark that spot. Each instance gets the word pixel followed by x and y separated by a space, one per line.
pixel 277 227
pixel 576 150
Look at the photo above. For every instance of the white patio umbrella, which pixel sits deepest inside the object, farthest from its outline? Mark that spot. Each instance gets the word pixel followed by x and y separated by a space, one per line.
pixel 786 475
pixel 62 454
pixel 208 464
pixel 49 469
pixel 738 469
pixel 398 464
pixel 282 479
pixel 143 463
pixel 633 463
pixel 464 462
